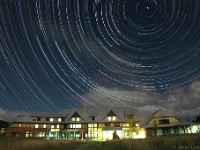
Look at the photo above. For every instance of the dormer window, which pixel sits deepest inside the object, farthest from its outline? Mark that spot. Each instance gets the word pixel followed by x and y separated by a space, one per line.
pixel 59 119
pixel 111 116
pixel 92 118
pixel 164 121
pixel 51 120
pixel 75 118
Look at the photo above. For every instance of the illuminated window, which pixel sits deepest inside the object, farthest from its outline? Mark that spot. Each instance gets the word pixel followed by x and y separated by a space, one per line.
pixel 136 124
pixel 19 125
pixel 57 126
pixel 59 119
pixel 76 119
pixel 73 119
pixel 36 125
pixel 75 126
pixel 109 118
pixel 44 125
pixel 92 130
pixel 52 126
pixel 114 118
pixel 28 125
pixel 51 119
pixel 92 125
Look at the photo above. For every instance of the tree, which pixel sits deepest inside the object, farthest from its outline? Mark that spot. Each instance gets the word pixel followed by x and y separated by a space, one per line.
pixel 131 125
pixel 197 119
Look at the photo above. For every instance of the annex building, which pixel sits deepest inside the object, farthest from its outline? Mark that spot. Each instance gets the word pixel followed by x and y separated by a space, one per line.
pixel 97 124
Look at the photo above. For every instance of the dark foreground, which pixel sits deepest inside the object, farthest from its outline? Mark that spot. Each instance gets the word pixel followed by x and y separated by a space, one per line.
pixel 180 142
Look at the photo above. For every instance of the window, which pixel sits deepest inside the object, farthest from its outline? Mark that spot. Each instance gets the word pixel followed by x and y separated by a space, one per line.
pixel 44 125
pixel 75 126
pixel 75 118
pixel 107 124
pixel 114 118
pixel 38 118
pixel 117 124
pixel 36 125
pixel 92 118
pixel 28 125
pixel 34 118
pixel 111 118
pixel 59 119
pixel 57 126
pixel 51 119
pixel 19 125
pixel 63 119
pixel 52 126
pixel 47 119
pixel 92 130
pixel 164 121
pixel 92 125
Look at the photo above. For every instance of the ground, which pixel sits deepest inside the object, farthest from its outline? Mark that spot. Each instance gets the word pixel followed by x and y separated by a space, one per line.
pixel 174 142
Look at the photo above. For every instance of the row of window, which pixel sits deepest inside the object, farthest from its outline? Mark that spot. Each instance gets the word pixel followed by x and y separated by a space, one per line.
pixel 48 119
pixel 92 118
pixel 75 126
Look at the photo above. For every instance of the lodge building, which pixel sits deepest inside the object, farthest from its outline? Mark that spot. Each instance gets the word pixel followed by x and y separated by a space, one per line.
pixel 97 124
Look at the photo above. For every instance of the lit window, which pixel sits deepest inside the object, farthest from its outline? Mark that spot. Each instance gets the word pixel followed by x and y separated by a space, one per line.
pixel 136 124
pixel 19 125
pixel 114 118
pixel 109 118
pixel 59 119
pixel 57 126
pixel 73 119
pixel 28 125
pixel 78 125
pixel 51 119
pixel 52 126
pixel 77 119
pixel 44 125
pixel 36 125
pixel 75 125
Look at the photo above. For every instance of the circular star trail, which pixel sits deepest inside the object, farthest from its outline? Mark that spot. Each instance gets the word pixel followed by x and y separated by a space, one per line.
pixel 59 54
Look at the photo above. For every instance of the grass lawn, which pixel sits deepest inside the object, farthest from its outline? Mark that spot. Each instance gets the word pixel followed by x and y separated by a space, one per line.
pixel 176 142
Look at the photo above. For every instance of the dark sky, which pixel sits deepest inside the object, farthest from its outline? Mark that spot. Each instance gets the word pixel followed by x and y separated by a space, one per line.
pixel 57 54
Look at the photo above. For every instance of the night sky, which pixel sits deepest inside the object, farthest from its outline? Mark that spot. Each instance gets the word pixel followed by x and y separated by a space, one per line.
pixel 140 54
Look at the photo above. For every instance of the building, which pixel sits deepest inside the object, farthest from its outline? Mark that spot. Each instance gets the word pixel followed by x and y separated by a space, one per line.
pixel 95 124
pixel 163 122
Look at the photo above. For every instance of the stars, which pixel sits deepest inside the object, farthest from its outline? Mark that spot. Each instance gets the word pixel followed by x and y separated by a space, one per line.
pixel 58 54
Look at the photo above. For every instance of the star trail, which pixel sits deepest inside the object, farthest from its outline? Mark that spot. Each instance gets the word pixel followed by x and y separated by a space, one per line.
pixel 58 54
